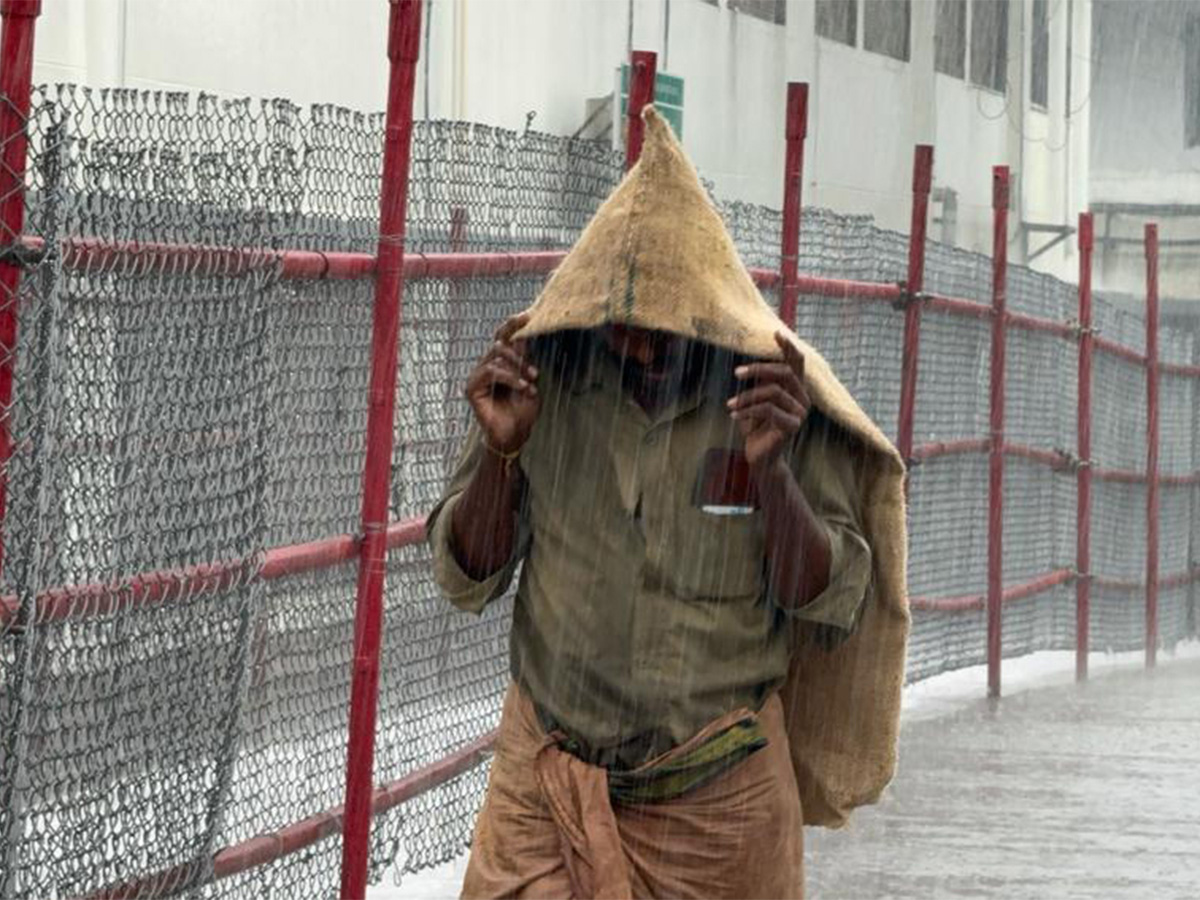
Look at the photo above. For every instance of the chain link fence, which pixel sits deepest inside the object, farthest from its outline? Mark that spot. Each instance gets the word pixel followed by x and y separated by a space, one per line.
pixel 188 426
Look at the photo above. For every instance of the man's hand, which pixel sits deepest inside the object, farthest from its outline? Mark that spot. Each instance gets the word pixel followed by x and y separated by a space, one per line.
pixel 502 390
pixel 772 404
pixel 769 410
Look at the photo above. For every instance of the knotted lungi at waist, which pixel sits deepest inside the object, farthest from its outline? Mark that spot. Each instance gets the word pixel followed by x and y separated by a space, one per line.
pixel 718 816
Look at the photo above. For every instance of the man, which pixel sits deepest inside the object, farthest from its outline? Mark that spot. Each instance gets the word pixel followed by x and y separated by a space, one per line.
pixel 646 445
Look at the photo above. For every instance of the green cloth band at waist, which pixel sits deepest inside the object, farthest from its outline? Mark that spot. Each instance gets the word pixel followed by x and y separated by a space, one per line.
pixel 676 775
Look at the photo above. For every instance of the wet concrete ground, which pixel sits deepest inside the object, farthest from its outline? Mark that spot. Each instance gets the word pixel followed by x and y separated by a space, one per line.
pixel 1056 792
pixel 1089 792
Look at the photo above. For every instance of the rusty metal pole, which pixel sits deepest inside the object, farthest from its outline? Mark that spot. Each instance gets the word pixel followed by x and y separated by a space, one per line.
pixel 921 186
pixel 995 580
pixel 16 78
pixel 642 73
pixel 404 33
pixel 1152 434
pixel 796 129
pixel 1083 478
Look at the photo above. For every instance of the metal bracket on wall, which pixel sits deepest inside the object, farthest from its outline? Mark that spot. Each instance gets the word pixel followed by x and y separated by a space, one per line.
pixel 1061 232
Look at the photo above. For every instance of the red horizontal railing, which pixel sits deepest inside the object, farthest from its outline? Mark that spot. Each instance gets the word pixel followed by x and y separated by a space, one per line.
pixel 1179 480
pixel 151 257
pixel 1044 326
pixel 1119 476
pixel 149 588
pixel 146 258
pixel 1056 459
pixel 1132 476
pixel 266 848
pixel 939 449
pixel 850 290
pixel 1179 579
pixel 979 601
pixel 968 602
pixel 1112 348
pixel 1179 370
pixel 954 306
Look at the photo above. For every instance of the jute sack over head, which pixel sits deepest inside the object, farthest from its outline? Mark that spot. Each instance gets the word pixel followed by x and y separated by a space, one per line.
pixel 657 255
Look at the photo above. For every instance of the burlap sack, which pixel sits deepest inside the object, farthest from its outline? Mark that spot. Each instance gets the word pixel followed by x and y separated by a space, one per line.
pixel 657 255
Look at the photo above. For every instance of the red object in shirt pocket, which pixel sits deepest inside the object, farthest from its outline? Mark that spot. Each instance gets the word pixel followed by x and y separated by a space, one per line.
pixel 724 487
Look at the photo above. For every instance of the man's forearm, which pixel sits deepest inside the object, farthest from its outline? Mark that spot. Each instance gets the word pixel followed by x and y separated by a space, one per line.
pixel 483 529
pixel 798 551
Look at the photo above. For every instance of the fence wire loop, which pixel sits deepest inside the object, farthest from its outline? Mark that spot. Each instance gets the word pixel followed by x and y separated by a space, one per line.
pixel 25 255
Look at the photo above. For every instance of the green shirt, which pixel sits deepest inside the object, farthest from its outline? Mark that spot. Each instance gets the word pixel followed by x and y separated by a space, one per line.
pixel 639 617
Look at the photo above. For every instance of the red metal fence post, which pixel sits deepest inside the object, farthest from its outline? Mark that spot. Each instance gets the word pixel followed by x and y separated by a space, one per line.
pixel 796 130
pixel 16 76
pixel 921 185
pixel 1152 473
pixel 404 32
pixel 1193 619
pixel 1083 482
pixel 995 594
pixel 642 73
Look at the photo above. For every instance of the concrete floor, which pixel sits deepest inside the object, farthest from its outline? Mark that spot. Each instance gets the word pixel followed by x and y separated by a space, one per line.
pixel 1090 792
pixel 1058 792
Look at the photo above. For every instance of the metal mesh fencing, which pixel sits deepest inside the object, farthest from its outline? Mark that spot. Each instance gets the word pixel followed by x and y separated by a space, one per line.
pixel 179 571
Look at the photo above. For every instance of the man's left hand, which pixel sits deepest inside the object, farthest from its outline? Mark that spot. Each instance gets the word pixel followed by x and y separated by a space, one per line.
pixel 771 405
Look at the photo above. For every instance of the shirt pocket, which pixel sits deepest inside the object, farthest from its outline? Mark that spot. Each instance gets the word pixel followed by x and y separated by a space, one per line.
pixel 718 557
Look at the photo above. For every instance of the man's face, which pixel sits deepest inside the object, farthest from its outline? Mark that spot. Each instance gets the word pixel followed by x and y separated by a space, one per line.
pixel 655 364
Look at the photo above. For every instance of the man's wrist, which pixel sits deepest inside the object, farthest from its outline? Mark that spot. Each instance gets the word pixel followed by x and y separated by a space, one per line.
pixel 768 475
pixel 506 455
pixel 504 468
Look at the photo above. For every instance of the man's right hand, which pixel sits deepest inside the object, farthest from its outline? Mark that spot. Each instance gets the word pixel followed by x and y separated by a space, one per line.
pixel 502 390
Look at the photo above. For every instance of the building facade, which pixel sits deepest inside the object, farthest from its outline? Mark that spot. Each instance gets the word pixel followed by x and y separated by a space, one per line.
pixel 986 81
pixel 1145 142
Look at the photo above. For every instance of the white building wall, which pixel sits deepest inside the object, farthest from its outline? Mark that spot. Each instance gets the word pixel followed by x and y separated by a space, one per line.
pixel 1138 146
pixel 1053 151
pixel 494 61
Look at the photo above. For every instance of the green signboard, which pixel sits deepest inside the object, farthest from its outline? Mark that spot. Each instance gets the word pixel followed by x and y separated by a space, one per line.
pixel 668 97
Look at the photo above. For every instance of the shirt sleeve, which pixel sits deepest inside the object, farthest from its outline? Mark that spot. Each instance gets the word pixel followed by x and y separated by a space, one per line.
pixel 456 585
pixel 828 471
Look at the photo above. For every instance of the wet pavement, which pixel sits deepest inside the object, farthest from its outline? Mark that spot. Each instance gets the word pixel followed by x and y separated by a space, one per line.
pixel 1088 792
pixel 1057 792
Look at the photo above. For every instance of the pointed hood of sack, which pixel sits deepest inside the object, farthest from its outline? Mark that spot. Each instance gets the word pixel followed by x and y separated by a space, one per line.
pixel 657 255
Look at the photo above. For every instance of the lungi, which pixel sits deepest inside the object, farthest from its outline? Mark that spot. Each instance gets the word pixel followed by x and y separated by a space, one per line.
pixel 548 827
